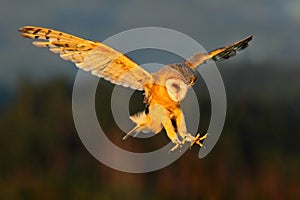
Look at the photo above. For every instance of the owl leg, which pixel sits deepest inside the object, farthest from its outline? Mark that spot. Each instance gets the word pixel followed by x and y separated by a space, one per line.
pixel 182 130
pixel 180 122
pixel 172 134
pixel 181 126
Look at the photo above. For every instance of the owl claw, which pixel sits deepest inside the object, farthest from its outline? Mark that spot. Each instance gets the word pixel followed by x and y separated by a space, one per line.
pixel 189 138
pixel 198 140
pixel 175 147
pixel 194 139
pixel 178 145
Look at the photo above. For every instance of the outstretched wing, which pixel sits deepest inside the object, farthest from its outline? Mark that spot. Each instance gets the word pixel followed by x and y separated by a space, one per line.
pixel 218 54
pixel 101 60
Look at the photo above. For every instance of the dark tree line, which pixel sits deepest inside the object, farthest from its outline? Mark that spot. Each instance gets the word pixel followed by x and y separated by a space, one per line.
pixel 257 156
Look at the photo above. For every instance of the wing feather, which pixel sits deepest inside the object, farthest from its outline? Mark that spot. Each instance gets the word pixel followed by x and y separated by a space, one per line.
pixel 218 54
pixel 102 60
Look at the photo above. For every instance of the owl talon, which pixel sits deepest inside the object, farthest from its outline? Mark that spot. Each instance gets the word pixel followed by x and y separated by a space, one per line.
pixel 188 138
pixel 198 140
pixel 178 145
pixel 175 147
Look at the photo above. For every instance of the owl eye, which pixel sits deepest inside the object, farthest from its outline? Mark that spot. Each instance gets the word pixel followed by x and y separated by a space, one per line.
pixel 176 89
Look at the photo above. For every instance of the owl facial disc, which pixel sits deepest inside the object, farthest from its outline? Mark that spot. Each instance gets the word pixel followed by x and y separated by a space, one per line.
pixel 177 89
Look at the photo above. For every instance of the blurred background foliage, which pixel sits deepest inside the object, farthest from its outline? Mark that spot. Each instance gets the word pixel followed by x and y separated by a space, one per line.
pixel 257 155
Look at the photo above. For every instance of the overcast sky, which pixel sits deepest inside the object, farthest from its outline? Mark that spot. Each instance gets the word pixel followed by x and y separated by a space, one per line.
pixel 275 25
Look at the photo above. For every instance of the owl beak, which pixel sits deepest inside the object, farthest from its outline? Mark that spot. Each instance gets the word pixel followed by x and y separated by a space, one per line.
pixel 193 80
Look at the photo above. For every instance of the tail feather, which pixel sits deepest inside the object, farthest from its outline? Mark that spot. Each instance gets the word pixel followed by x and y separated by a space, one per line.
pixel 142 120
pixel 130 133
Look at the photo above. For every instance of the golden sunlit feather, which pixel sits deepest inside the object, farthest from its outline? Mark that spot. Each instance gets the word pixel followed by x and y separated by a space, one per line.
pixel 164 89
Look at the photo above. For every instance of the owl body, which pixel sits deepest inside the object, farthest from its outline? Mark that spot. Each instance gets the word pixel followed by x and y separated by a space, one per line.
pixel 162 98
pixel 164 89
pixel 169 85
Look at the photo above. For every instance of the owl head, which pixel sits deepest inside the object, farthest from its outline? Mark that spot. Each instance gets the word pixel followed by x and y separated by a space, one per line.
pixel 176 78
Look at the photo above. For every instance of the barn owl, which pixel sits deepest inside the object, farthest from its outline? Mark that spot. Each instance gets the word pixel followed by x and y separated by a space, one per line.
pixel 163 90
